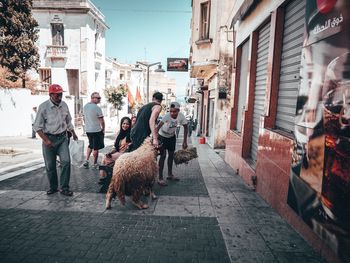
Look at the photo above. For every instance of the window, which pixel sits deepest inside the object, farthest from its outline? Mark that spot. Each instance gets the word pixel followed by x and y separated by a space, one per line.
pixel 57 34
pixel 45 78
pixel 97 37
pixel 204 22
pixel 122 75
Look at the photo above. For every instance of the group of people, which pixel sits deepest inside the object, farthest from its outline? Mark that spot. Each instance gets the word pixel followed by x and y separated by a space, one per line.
pixel 53 121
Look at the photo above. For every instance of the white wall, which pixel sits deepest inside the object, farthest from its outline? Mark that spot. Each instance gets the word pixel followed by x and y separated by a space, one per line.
pixel 15 109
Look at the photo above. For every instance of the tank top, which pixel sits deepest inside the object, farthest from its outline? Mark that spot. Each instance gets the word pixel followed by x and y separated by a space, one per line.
pixel 141 129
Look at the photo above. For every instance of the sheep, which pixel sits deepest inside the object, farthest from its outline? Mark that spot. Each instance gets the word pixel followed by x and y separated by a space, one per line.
pixel 133 174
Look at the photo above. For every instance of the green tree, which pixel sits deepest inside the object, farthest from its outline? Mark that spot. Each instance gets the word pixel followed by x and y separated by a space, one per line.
pixel 18 34
pixel 115 95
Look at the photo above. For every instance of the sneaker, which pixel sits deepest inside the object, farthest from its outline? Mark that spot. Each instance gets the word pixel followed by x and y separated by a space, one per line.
pixel 86 164
pixel 95 166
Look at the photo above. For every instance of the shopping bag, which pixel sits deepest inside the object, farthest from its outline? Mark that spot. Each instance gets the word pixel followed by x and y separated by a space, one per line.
pixel 76 150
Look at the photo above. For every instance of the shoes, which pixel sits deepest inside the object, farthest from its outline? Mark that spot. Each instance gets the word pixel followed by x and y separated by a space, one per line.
pixel 172 178
pixel 51 191
pixel 95 166
pixel 86 164
pixel 66 192
pixel 162 183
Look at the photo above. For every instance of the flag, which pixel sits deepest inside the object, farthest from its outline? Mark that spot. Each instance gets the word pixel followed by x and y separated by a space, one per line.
pixel 130 97
pixel 138 95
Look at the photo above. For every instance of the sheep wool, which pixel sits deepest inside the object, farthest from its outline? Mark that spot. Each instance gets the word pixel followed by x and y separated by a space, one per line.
pixel 134 173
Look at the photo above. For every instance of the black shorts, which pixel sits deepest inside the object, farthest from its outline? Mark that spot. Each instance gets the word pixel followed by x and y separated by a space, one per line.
pixel 167 143
pixel 96 140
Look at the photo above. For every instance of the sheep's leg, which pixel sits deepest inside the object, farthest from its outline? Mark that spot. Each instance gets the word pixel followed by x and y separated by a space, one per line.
pixel 137 202
pixel 109 196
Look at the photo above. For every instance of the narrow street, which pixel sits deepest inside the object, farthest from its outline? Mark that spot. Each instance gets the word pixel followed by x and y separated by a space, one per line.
pixel 210 215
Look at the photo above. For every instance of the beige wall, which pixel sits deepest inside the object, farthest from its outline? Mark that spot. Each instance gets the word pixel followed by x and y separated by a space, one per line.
pixel 255 19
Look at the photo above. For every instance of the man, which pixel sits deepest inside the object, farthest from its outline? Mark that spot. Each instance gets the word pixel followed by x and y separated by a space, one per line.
pixel 52 122
pixel 32 117
pixel 146 122
pixel 167 138
pixel 94 128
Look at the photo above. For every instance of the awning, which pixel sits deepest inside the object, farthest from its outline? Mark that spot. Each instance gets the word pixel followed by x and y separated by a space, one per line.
pixel 203 70
pixel 246 8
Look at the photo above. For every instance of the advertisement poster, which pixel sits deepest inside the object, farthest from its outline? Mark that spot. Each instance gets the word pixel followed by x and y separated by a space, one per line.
pixel 177 64
pixel 319 189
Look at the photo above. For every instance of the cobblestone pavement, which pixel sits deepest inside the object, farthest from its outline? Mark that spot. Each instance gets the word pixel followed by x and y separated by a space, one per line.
pixel 210 215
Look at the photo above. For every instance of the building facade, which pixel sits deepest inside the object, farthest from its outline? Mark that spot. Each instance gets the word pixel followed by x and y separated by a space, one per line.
pixel 72 48
pixel 276 135
pixel 211 67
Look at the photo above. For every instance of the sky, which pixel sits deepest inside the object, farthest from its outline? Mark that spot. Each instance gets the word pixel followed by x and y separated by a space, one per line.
pixel 148 30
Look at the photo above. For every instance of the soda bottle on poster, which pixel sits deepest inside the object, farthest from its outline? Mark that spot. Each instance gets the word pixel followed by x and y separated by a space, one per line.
pixel 336 120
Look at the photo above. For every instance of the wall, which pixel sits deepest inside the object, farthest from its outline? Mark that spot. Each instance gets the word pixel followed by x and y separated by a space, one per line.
pixel 274 157
pixel 15 109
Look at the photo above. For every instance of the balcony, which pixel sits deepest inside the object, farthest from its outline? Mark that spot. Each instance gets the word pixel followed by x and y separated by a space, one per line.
pixel 56 52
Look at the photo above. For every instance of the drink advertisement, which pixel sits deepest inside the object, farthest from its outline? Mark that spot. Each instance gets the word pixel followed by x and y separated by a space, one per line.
pixel 319 189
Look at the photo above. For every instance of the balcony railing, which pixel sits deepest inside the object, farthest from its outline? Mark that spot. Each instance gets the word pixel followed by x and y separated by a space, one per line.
pixel 59 52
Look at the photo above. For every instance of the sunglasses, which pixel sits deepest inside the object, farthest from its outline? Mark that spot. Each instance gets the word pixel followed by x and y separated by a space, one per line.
pixel 97 98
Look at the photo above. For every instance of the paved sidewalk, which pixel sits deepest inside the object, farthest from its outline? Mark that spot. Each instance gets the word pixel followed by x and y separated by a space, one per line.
pixel 210 215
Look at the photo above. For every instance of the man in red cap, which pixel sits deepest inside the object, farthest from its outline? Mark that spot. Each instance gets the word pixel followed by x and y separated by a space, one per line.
pixel 52 122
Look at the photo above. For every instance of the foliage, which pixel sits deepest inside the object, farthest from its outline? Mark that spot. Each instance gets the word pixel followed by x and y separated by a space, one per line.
pixel 115 95
pixel 5 81
pixel 18 34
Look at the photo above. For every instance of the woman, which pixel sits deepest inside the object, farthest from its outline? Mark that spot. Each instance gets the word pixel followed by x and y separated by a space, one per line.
pixel 133 121
pixel 121 144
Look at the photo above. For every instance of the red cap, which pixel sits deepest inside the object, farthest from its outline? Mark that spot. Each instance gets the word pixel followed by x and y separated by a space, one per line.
pixel 55 88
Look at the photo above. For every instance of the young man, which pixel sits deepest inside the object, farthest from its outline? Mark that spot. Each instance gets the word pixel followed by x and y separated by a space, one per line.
pixel 145 124
pixel 52 122
pixel 167 139
pixel 94 128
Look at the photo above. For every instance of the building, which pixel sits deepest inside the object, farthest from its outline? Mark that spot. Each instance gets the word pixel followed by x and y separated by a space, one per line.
pixel 72 48
pixel 130 76
pixel 159 81
pixel 211 66
pixel 276 137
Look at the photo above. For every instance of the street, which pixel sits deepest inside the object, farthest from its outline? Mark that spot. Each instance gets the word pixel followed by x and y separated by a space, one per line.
pixel 210 215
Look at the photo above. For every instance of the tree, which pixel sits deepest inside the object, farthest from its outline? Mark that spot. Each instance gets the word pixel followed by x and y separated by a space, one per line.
pixel 115 95
pixel 18 34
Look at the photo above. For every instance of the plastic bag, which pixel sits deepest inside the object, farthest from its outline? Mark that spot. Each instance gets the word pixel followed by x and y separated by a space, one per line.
pixel 76 150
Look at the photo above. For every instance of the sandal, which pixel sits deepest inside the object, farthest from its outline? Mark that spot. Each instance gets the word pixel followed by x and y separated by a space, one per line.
pixel 173 178
pixel 162 183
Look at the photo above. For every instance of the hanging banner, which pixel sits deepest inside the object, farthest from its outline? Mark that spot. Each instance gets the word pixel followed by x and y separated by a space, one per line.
pixel 319 189
pixel 177 64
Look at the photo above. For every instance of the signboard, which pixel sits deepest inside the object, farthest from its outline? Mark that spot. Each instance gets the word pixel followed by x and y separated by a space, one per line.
pixel 177 64
pixel 319 188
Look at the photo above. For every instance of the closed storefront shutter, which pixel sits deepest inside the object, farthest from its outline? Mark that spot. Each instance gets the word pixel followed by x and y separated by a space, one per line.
pixel 260 85
pixel 290 65
pixel 243 80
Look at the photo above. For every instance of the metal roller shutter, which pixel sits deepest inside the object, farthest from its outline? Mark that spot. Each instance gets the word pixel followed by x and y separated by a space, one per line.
pixel 242 96
pixel 290 65
pixel 260 86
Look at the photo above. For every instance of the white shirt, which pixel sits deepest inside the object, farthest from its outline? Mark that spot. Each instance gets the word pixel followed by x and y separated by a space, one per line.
pixel 53 119
pixel 169 127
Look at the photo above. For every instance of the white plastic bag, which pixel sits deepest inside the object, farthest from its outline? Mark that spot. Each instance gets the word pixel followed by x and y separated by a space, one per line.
pixel 76 150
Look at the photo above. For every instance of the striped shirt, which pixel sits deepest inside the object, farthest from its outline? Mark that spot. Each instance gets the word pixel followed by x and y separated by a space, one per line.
pixel 53 119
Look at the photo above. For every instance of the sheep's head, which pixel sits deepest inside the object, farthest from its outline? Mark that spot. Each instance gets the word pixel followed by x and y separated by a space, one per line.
pixel 148 145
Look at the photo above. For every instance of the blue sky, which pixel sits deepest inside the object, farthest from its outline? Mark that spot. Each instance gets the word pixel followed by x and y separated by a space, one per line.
pixel 150 30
